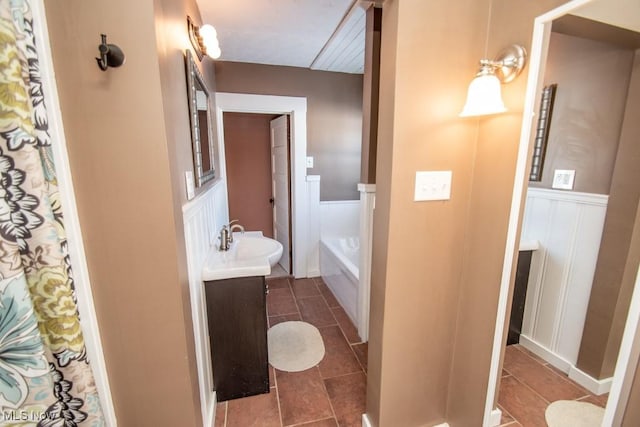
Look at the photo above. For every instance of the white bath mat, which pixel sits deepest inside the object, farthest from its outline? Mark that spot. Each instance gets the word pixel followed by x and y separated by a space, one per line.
pixel 294 346
pixel 569 413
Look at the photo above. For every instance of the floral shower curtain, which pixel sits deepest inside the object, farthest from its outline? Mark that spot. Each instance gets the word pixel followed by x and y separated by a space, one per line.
pixel 45 377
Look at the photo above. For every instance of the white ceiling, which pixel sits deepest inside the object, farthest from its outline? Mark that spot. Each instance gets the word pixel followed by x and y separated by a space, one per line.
pixel 318 34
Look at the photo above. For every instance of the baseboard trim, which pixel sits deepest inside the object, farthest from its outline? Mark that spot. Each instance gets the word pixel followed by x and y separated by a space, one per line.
pixel 595 386
pixel 496 417
pixel 366 422
pixel 557 361
pixel 314 273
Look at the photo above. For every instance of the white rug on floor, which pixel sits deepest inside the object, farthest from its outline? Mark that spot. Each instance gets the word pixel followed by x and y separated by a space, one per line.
pixel 294 346
pixel 569 413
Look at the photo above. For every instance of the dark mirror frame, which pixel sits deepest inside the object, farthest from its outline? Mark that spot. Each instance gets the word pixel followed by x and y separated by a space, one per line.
pixel 201 133
pixel 542 132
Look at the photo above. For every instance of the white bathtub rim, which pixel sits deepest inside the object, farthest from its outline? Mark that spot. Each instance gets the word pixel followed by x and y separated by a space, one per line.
pixel 330 243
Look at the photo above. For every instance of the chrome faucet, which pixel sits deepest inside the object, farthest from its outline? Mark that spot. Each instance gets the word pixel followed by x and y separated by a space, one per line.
pixel 224 238
pixel 232 227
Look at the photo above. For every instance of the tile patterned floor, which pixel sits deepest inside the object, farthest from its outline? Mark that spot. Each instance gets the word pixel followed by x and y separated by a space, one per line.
pixel 529 384
pixel 329 394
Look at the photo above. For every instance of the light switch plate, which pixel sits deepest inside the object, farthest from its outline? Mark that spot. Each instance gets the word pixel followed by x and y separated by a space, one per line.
pixel 309 162
pixel 563 179
pixel 190 183
pixel 432 185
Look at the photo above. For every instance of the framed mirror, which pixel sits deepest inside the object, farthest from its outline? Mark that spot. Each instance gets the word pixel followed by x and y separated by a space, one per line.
pixel 202 135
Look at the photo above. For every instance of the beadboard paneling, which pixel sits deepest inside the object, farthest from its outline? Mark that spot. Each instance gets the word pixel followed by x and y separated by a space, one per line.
pixel 568 226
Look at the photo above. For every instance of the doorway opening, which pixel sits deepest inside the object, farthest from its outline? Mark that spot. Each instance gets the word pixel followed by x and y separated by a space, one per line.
pixel 296 109
pixel 258 159
pixel 627 359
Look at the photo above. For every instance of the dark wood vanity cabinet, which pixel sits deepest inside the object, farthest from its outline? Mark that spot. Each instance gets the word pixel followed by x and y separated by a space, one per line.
pixel 519 296
pixel 237 318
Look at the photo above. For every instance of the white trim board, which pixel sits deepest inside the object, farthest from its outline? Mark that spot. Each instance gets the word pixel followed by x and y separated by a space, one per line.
pixel 88 318
pixel 202 218
pixel 496 417
pixel 628 356
pixel 595 386
pixel 297 107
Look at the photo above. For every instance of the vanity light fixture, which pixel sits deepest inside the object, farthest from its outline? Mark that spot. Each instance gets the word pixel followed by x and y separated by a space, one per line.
pixel 204 40
pixel 484 95
pixel 110 55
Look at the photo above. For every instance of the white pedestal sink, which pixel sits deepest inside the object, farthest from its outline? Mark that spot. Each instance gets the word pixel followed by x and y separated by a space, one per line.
pixel 250 254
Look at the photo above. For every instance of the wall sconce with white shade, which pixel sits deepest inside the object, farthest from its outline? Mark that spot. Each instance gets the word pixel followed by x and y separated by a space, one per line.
pixel 484 95
pixel 204 40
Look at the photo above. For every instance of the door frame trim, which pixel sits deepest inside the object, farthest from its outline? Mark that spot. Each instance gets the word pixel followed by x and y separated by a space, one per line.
pixel 296 107
pixel 630 347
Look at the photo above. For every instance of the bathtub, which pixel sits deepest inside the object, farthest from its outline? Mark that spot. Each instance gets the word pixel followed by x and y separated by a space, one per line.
pixel 339 260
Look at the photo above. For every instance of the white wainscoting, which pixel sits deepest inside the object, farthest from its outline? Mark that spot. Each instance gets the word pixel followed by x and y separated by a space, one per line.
pixel 340 218
pixel 568 226
pixel 313 233
pixel 203 217
pixel 367 205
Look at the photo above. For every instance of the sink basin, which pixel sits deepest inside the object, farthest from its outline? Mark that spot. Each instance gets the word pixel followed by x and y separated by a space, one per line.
pixel 250 254
pixel 259 247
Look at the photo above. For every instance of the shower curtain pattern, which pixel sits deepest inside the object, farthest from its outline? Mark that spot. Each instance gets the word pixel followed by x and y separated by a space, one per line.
pixel 45 376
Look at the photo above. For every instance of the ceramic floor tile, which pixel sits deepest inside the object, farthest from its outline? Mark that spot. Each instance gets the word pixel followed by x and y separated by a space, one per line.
pixel 280 301
pixel 544 381
pixel 326 293
pixel 329 422
pixel 346 325
pixel 338 359
pixel 348 398
pixel 303 288
pixel 315 311
pixel 600 401
pixel 278 283
pixel 254 411
pixel 221 414
pixel 529 353
pixel 302 397
pixel 362 352
pixel 506 417
pixel 274 320
pixel 522 403
pixel 272 377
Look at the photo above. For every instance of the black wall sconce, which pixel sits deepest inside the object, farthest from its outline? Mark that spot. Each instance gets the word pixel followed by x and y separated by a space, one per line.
pixel 110 55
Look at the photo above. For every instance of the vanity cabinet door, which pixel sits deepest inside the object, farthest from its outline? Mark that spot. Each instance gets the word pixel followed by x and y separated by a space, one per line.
pixel 519 296
pixel 236 311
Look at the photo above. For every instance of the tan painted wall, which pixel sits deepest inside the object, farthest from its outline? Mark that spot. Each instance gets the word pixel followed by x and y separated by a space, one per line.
pixel 592 78
pixel 417 259
pixel 126 159
pixel 618 260
pixel 498 138
pixel 437 266
pixel 247 145
pixel 334 116
pixel 370 95
pixel 381 219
